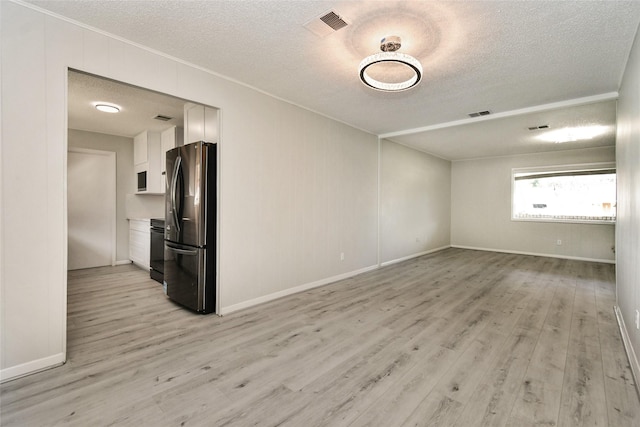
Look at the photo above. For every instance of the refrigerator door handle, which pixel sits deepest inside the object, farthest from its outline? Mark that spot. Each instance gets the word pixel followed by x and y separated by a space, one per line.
pixel 174 185
pixel 181 251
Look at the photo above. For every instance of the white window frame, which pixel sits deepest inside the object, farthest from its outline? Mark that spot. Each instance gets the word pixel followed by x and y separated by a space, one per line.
pixel 559 169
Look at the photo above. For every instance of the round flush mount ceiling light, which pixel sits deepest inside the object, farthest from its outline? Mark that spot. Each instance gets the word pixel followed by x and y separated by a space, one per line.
pixel 107 108
pixel 390 71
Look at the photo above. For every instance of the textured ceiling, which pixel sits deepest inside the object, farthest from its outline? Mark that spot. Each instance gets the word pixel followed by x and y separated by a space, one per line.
pixel 511 135
pixel 138 107
pixel 476 55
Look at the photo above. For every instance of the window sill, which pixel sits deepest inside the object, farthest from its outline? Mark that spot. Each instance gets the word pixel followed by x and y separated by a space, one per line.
pixel 565 221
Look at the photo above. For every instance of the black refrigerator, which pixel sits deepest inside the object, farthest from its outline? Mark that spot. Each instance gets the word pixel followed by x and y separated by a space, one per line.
pixel 190 226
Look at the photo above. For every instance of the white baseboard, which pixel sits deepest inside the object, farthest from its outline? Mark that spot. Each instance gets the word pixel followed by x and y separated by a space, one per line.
pixel 291 291
pixel 631 354
pixel 123 262
pixel 430 251
pixel 506 251
pixel 32 367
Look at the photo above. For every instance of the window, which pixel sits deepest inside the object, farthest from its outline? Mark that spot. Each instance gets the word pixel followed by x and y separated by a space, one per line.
pixel 579 193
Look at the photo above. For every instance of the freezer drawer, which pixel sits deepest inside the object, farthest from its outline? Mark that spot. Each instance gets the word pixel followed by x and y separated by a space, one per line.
pixel 189 276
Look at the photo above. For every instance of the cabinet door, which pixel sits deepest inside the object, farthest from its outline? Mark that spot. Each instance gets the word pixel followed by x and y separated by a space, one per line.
pixel 200 123
pixel 193 123
pixel 210 124
pixel 139 242
pixel 140 148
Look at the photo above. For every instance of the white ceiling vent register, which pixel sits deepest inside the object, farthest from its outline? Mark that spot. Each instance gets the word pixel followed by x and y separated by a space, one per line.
pixel 325 24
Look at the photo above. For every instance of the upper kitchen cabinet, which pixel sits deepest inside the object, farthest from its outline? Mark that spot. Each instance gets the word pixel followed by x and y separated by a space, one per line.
pixel 140 150
pixel 200 123
pixel 146 162
pixel 170 138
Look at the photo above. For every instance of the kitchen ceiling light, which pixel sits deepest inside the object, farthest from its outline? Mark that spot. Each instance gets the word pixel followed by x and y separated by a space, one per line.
pixel 108 108
pixel 389 46
pixel 571 134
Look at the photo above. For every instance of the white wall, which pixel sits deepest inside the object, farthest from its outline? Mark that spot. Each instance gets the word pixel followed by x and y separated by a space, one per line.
pixel 33 203
pixel 296 188
pixel 628 226
pixel 481 210
pixel 304 191
pixel 125 179
pixel 415 202
pixel 144 206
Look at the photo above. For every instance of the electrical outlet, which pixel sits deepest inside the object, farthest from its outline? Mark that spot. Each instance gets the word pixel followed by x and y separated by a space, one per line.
pixel 559 242
pixel 637 319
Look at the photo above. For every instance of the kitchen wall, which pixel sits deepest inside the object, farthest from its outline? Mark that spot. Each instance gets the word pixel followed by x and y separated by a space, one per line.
pixel 481 210
pixel 144 206
pixel 125 179
pixel 415 202
pixel 628 226
pixel 297 189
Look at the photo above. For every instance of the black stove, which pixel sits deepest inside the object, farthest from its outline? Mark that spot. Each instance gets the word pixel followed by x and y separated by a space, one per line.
pixel 156 259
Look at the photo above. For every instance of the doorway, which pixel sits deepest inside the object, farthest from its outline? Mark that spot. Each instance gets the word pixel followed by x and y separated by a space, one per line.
pixel 91 202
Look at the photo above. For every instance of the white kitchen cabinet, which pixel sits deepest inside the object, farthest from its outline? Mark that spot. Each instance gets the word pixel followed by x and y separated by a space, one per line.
pixel 170 138
pixel 140 150
pixel 140 242
pixel 146 158
pixel 200 123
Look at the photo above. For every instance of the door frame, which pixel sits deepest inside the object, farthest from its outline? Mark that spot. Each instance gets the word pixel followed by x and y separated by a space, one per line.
pixel 111 181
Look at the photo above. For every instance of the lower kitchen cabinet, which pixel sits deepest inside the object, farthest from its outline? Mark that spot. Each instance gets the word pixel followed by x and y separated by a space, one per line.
pixel 139 242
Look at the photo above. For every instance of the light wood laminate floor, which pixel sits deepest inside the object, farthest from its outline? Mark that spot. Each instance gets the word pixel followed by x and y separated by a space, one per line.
pixel 456 338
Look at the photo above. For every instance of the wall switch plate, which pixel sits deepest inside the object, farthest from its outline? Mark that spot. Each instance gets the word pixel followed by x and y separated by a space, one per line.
pixel 637 319
pixel 341 256
pixel 559 242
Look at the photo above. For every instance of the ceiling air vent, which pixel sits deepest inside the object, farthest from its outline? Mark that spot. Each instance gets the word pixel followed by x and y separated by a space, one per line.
pixel 480 113
pixel 325 24
pixel 163 118
pixel 538 127
pixel 333 20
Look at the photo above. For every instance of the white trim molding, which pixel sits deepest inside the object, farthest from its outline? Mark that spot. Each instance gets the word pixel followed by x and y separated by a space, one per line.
pixel 15 372
pixel 507 251
pixel 631 354
pixel 609 96
pixel 294 290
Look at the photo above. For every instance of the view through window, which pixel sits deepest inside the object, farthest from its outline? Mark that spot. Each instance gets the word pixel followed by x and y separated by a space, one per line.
pixel 583 193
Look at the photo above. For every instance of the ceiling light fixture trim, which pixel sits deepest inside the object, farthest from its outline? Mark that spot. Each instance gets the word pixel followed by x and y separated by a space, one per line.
pixel 389 46
pixel 108 108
